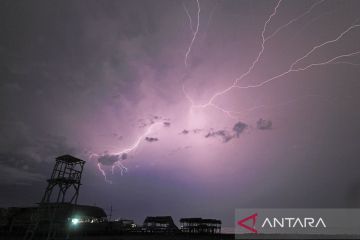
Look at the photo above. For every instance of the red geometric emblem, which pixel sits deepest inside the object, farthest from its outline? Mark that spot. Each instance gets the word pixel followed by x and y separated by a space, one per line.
pixel 241 223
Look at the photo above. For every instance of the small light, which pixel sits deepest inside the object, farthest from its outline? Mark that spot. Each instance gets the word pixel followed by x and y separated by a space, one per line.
pixel 75 221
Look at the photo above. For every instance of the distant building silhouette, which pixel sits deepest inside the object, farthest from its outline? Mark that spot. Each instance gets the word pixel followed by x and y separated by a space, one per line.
pixel 199 225
pixel 19 218
pixel 159 224
pixel 123 225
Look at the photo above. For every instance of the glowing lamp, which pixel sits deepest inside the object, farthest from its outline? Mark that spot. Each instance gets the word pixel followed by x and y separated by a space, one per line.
pixel 75 221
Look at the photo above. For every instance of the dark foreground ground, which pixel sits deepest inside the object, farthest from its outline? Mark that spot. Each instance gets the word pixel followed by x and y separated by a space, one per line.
pixel 137 237
pixel 191 237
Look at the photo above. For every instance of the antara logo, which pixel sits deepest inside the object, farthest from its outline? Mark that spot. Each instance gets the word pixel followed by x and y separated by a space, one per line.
pixel 284 222
pixel 291 222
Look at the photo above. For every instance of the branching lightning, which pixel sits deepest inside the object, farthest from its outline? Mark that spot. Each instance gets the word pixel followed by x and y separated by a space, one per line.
pixel 294 20
pixel 292 68
pixel 210 102
pixel 119 165
pixel 103 173
pixel 133 147
pixel 189 17
pixel 194 32
pixel 138 141
pixel 325 43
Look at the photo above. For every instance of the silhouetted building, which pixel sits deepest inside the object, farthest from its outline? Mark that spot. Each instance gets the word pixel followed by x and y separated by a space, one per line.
pixel 159 224
pixel 199 225
pixel 125 222
pixel 124 225
pixel 19 218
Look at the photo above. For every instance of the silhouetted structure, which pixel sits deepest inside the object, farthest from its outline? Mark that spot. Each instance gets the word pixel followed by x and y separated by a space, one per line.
pixel 159 224
pixel 58 216
pixel 125 222
pixel 199 225
pixel 62 191
pixel 124 225
pixel 17 219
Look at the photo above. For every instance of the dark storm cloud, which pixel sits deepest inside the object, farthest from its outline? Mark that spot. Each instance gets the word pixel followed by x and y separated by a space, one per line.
pixel 223 134
pixel 142 122
pixel 184 132
pixel 26 153
pixel 19 175
pixel 110 159
pixel 194 131
pixel 35 144
pixel 151 139
pixel 124 156
pixel 263 124
pixel 238 128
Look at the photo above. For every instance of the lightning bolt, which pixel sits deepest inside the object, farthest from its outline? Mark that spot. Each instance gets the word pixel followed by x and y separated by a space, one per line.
pixel 189 17
pixel 293 20
pixel 347 63
pixel 138 140
pixel 119 165
pixel 263 40
pixel 131 148
pixel 210 18
pixel 103 173
pixel 292 68
pixel 325 43
pixel 210 102
pixel 194 32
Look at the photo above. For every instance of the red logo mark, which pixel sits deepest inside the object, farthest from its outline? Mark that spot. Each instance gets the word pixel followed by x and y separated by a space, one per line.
pixel 241 223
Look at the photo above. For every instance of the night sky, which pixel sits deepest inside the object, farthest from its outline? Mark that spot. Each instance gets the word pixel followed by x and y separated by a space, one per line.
pixel 190 109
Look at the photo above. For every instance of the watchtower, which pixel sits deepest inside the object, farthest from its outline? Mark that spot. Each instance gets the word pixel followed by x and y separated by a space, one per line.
pixel 62 190
pixel 65 178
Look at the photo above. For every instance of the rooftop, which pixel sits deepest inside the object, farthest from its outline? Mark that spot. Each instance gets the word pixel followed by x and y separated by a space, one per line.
pixel 69 159
pixel 200 220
